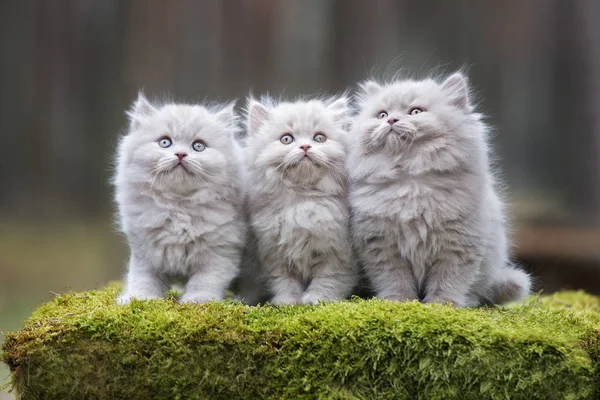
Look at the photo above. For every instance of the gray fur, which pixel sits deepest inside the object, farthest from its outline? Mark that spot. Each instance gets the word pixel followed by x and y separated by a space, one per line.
pixel 182 218
pixel 428 222
pixel 299 245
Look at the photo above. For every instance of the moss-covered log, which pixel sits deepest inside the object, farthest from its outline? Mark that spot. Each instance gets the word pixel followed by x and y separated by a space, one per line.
pixel 82 345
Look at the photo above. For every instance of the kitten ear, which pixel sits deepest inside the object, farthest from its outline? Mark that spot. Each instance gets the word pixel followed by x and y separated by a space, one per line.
pixel 139 109
pixel 339 108
pixel 227 114
pixel 369 88
pixel 456 86
pixel 257 115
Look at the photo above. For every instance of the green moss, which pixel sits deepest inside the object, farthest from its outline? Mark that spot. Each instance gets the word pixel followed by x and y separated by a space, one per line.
pixel 81 345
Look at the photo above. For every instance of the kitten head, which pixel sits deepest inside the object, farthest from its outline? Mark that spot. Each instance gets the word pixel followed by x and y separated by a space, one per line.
pixel 410 118
pixel 301 141
pixel 177 147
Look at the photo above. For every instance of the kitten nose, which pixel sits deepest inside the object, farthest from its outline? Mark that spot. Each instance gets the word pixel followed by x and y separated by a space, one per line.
pixel 392 121
pixel 181 155
pixel 305 147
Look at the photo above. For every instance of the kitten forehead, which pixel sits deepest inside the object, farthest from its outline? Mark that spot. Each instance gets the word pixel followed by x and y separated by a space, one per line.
pixel 315 110
pixel 185 112
pixel 303 117
pixel 453 90
pixel 191 121
pixel 401 94
pixel 408 90
pixel 184 119
pixel 300 110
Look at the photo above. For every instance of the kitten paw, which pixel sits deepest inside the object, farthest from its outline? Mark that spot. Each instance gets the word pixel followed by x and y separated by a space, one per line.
pixel 126 298
pixel 314 299
pixel 458 303
pixel 198 298
pixel 311 298
pixel 399 297
pixel 284 299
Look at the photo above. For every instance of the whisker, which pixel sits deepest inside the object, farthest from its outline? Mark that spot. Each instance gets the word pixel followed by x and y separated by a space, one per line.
pixel 158 170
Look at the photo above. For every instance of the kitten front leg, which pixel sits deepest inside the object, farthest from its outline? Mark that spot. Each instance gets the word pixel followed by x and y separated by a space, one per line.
pixel 285 288
pixel 390 275
pixel 210 282
pixel 393 280
pixel 142 283
pixel 332 280
pixel 450 279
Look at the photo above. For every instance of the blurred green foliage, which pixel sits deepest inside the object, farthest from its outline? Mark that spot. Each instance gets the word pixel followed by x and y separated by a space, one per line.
pixel 38 261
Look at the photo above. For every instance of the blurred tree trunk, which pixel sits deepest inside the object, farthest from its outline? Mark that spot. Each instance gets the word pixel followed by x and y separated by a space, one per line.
pixel 248 29
pixel 590 11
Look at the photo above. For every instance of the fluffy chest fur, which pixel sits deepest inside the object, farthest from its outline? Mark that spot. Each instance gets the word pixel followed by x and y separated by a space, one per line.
pixel 176 236
pixel 417 216
pixel 300 229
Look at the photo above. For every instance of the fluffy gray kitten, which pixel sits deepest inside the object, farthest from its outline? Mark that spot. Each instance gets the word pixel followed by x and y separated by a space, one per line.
pixel 427 221
pixel 297 201
pixel 180 204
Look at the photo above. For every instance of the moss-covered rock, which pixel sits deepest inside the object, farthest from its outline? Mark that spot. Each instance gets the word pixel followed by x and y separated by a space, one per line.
pixel 81 345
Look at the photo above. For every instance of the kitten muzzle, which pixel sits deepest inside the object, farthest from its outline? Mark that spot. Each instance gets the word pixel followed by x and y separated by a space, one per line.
pixel 180 164
pixel 405 131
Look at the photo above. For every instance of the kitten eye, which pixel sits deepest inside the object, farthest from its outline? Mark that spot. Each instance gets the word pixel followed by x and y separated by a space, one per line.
pixel 198 145
pixel 382 115
pixel 415 111
pixel 319 137
pixel 286 139
pixel 165 142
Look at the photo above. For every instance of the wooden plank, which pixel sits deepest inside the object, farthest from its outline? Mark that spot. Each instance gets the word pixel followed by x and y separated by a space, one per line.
pixel 564 242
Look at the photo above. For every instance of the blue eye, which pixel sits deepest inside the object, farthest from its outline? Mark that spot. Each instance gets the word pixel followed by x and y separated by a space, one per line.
pixel 198 146
pixel 415 111
pixel 286 139
pixel 320 138
pixel 165 142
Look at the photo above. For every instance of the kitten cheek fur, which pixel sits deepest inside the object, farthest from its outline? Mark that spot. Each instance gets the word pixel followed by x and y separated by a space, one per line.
pixel 180 222
pixel 428 222
pixel 298 209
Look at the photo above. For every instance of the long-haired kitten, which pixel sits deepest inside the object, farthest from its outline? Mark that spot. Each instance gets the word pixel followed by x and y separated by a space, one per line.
pixel 297 199
pixel 177 190
pixel 427 220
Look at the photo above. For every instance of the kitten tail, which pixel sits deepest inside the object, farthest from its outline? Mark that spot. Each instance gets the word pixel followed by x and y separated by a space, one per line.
pixel 515 285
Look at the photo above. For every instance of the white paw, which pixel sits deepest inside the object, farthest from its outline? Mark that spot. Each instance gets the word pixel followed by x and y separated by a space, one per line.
pixel 399 297
pixel 458 303
pixel 198 297
pixel 314 298
pixel 123 300
pixel 126 298
pixel 284 299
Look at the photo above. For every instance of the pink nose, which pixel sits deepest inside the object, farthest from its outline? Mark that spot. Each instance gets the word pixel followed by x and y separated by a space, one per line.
pixel 181 155
pixel 392 121
pixel 305 147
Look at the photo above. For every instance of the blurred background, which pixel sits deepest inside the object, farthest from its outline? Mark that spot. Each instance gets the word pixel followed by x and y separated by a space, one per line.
pixel 69 69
